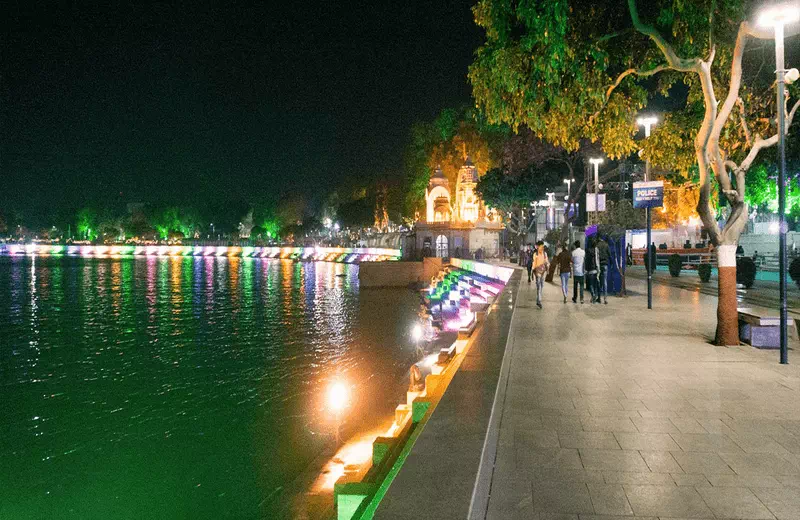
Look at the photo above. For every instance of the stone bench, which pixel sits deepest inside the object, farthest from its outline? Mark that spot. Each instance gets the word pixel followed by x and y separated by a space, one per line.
pixel 759 331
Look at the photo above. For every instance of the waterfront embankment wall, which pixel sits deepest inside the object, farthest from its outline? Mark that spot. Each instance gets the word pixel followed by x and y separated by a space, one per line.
pixel 398 274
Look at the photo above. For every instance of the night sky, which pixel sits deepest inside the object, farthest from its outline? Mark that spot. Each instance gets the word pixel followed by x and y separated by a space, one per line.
pixel 197 102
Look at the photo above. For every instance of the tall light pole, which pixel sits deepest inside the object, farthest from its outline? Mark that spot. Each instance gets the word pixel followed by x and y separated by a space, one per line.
pixel 777 17
pixel 567 206
pixel 647 123
pixel 569 182
pixel 596 162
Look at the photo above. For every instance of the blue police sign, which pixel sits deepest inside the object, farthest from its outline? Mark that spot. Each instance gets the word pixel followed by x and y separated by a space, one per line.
pixel 648 194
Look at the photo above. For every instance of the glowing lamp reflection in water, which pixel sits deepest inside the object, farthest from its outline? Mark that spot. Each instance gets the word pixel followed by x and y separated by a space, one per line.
pixel 337 397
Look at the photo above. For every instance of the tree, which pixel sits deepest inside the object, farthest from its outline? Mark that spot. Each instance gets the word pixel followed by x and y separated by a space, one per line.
pixel 446 142
pixel 572 69
pixel 511 194
pixel 86 224
pixel 680 204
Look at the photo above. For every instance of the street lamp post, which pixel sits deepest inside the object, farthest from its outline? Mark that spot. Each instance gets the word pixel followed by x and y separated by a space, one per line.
pixel 647 123
pixel 596 162
pixel 777 17
pixel 568 182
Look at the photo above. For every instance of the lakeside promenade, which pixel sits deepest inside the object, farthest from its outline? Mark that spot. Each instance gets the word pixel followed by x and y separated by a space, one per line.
pixel 615 410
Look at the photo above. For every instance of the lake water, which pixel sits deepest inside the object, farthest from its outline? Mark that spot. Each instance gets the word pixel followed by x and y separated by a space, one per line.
pixel 183 387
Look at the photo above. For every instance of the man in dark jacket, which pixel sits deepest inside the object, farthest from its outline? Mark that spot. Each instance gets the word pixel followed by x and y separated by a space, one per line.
pixel 528 259
pixel 603 255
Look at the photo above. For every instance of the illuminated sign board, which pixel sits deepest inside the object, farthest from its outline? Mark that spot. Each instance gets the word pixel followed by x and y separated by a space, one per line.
pixel 648 194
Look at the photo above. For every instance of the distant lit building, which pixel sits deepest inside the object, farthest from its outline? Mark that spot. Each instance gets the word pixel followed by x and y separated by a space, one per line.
pixel 457 225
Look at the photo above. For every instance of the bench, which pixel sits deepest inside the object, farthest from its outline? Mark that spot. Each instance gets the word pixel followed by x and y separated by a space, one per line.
pixel 759 331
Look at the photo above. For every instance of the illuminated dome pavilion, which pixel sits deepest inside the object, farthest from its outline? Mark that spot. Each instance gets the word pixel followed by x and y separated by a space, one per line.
pixel 457 225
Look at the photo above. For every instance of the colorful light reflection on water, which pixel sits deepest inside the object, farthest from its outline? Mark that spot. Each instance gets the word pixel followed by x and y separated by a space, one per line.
pixel 183 387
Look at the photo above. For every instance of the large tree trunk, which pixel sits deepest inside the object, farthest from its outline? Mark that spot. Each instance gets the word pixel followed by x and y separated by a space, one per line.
pixel 727 313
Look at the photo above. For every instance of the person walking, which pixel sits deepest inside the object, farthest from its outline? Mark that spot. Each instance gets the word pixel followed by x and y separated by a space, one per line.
pixel 527 256
pixel 590 266
pixel 564 262
pixel 603 256
pixel 540 265
pixel 578 257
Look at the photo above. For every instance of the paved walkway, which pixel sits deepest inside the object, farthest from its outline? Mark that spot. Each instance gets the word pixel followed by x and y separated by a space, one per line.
pixel 764 294
pixel 616 410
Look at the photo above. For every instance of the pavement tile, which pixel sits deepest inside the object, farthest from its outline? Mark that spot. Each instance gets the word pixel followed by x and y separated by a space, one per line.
pixel 567 475
pixel 561 497
pixel 535 458
pixel 785 506
pixel 651 479
pixel 687 425
pixel 590 440
pixel 661 461
pixel 713 425
pixel 734 503
pixel 654 425
pixel 510 498
pixel 633 416
pixel 646 441
pixel 536 439
pixel 589 403
pixel 561 424
pixel 750 481
pixel 613 460
pixel 609 499
pixel 758 443
pixel 556 516
pixel 632 404
pixel 790 442
pixel 791 481
pixel 705 442
pixel 690 479
pixel 667 501
pixel 759 464
pixel 613 517
pixel 699 462
pixel 608 424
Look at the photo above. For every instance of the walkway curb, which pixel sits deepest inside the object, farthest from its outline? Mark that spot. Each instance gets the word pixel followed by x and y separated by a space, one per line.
pixel 479 503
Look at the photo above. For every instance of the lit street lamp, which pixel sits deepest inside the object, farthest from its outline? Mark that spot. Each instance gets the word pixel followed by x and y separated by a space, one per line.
pixel 647 123
pixel 568 182
pixel 777 17
pixel 596 162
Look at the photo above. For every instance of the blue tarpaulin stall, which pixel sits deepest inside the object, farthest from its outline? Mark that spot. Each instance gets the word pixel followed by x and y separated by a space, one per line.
pixel 616 261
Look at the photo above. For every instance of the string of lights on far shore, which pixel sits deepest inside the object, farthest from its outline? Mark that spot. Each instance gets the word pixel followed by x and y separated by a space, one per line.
pixel 328 254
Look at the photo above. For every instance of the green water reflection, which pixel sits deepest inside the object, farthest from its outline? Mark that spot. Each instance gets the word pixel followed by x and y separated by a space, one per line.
pixel 182 387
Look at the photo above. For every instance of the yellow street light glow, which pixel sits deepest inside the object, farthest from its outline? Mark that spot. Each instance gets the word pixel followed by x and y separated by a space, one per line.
pixel 337 397
pixel 779 15
pixel 642 121
pixel 647 123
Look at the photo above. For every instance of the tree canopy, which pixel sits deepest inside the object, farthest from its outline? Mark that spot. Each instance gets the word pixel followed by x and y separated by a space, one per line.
pixel 570 69
pixel 446 142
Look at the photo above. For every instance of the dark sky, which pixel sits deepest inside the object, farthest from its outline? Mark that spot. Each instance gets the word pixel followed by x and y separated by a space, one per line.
pixel 201 101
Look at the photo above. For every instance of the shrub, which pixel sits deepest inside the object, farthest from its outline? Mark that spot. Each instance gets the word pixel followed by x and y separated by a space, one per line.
pixel 794 271
pixel 745 271
pixel 675 263
pixel 704 271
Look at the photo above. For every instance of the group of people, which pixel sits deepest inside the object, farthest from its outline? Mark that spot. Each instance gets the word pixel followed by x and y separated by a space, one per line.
pixel 588 267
